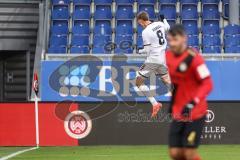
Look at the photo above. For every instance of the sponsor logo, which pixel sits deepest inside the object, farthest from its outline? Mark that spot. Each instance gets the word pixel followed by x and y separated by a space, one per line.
pixel 211 131
pixel 78 124
pixel 210 116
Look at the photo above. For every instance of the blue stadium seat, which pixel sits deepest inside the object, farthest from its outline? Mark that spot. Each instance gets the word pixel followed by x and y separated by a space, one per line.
pixel 232 49
pixel 193 40
pixel 124 1
pixel 232 40
pixel 82 2
pixel 124 28
pixel 101 40
pixel 103 30
pixel 124 44
pixel 124 12
pixel 146 2
pixel 109 2
pixel 232 29
pixel 100 50
pixel 124 51
pixel 212 49
pixel 59 27
pixel 81 27
pixel 54 2
pixel 58 40
pixel 191 26
pixel 189 2
pixel 80 40
pixel 211 29
pixel 139 30
pixel 210 11
pixel 169 11
pixel 167 1
pixel 139 42
pixel 225 4
pixel 211 40
pixel 210 1
pixel 103 12
pixel 149 8
pixel 189 11
pixel 81 12
pixel 79 49
pixel 57 49
pixel 60 12
pixel 210 22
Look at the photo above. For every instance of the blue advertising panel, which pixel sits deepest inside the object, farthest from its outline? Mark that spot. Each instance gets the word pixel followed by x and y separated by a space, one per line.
pixel 98 80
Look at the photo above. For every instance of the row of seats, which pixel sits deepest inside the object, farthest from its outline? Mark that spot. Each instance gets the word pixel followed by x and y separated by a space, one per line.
pixel 125 11
pixel 75 36
pixel 131 1
pixel 80 43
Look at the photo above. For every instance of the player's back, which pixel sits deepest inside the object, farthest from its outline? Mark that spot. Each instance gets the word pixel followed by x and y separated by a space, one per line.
pixel 154 36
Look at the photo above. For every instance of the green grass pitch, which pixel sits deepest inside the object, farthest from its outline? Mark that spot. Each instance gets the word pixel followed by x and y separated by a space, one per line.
pixel 147 152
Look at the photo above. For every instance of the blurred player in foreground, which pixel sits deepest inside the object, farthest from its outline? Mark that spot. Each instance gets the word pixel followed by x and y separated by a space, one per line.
pixel 155 45
pixel 192 83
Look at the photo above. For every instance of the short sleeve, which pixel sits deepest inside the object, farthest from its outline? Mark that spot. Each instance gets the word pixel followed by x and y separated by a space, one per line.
pixel 200 68
pixel 146 40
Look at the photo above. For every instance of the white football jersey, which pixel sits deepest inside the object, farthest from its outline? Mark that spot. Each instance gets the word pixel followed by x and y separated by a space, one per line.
pixel 154 37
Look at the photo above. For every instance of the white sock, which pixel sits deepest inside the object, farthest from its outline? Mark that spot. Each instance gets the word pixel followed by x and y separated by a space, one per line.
pixel 145 90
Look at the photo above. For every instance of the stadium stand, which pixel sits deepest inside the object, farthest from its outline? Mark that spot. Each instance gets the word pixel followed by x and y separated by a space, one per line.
pixel 87 26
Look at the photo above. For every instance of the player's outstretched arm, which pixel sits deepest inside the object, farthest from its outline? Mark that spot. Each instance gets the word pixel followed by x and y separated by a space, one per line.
pixel 165 22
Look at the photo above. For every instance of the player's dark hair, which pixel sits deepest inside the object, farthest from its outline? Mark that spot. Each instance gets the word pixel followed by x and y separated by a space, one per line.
pixel 143 16
pixel 177 29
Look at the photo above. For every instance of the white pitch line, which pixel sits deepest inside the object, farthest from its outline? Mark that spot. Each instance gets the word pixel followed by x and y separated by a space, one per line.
pixel 17 153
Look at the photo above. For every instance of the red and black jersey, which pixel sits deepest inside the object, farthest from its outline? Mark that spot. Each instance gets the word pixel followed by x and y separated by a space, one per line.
pixel 192 82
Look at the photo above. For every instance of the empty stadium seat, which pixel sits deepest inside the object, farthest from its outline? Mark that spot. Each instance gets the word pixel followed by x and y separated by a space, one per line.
pixel 212 49
pixel 58 40
pixel 81 12
pixel 210 11
pixel 79 49
pixel 60 12
pixel 210 1
pixel 232 29
pixel 193 40
pixel 54 2
pixel 146 2
pixel 101 40
pixel 232 40
pixel 190 26
pixel 81 27
pixel 225 6
pixel 80 40
pixel 189 11
pixel 189 2
pixel 82 2
pixel 103 30
pixel 124 44
pixel 149 8
pixel 232 49
pixel 100 50
pixel 139 42
pixel 124 1
pixel 169 11
pixel 103 12
pixel 124 12
pixel 59 27
pixel 211 40
pixel 167 1
pixel 109 2
pixel 139 30
pixel 124 28
pixel 211 29
pixel 57 49
pixel 210 22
